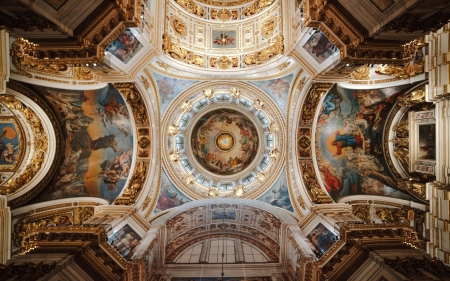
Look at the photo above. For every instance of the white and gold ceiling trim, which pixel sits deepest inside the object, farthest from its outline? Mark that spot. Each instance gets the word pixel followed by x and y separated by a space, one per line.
pixel 177 128
pixel 39 139
pixel 217 39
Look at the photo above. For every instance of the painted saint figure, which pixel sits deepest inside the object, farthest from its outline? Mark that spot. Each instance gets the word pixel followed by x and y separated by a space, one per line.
pixel 106 142
pixel 353 140
pixel 8 154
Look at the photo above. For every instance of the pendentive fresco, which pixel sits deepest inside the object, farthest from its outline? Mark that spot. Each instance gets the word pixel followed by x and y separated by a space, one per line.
pixel 98 143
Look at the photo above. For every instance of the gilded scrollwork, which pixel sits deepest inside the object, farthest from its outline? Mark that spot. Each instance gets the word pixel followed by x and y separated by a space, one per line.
pixel 135 185
pixel 315 191
pixel 258 105
pixel 361 73
pixel 257 58
pixel 26 271
pixel 413 267
pixel 312 100
pixel 362 212
pixel 173 130
pixel 414 187
pixel 208 93
pixel 40 145
pixel 22 59
pixel 145 82
pixel 257 7
pixel 26 225
pixel 175 156
pixel 404 71
pixel 187 106
pixel 402 155
pixel 191 7
pixel 179 26
pixel 268 27
pixel 224 62
pixel 401 129
pixel 82 73
pixel 412 98
pixel 261 176
pixel 144 142
pixel 179 53
pixel 134 99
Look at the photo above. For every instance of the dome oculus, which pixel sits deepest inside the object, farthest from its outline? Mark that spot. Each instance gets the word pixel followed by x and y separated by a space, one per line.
pixel 224 141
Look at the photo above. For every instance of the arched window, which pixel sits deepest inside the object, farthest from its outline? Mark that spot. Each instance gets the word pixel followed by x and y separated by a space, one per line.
pixel 252 253
pixel 191 254
pixel 215 251
pixel 210 251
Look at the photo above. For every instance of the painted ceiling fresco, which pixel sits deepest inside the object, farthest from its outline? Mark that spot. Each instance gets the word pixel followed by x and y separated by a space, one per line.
pixel 349 137
pixel 125 46
pixel 98 140
pixel 169 88
pixel 278 90
pixel 319 47
pixel 11 143
pixel 224 141
pixel 169 195
pixel 278 194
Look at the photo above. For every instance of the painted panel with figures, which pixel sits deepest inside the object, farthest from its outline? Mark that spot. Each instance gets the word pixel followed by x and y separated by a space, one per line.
pixel 98 140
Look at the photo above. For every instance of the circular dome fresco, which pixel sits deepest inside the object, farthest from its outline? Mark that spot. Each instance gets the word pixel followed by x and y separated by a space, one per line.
pixel 224 141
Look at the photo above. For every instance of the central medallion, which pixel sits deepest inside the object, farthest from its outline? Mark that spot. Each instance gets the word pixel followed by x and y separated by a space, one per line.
pixel 225 141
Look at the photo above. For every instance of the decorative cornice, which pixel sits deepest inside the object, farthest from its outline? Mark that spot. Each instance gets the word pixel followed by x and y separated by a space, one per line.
pixel 91 241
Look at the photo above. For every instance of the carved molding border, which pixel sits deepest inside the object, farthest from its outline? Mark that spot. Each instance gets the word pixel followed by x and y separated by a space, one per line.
pixel 35 166
pixel 305 145
pixel 133 98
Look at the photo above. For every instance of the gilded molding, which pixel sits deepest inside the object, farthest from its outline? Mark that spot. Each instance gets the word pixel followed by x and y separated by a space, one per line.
pixel 294 93
pixel 266 54
pixel 257 7
pixel 404 71
pixel 191 7
pixel 361 73
pixel 40 145
pixel 66 216
pixel 134 99
pixel 135 185
pixel 91 240
pixel 312 100
pixel 312 185
pixel 82 73
pixel 362 212
pixel 222 3
pixel 181 54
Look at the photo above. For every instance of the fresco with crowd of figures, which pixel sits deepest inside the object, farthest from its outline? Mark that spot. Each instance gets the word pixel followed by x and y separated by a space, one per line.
pixel 98 143
pixel 349 137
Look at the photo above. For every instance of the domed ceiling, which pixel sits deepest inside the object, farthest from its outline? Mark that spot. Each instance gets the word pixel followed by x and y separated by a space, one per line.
pixel 224 141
